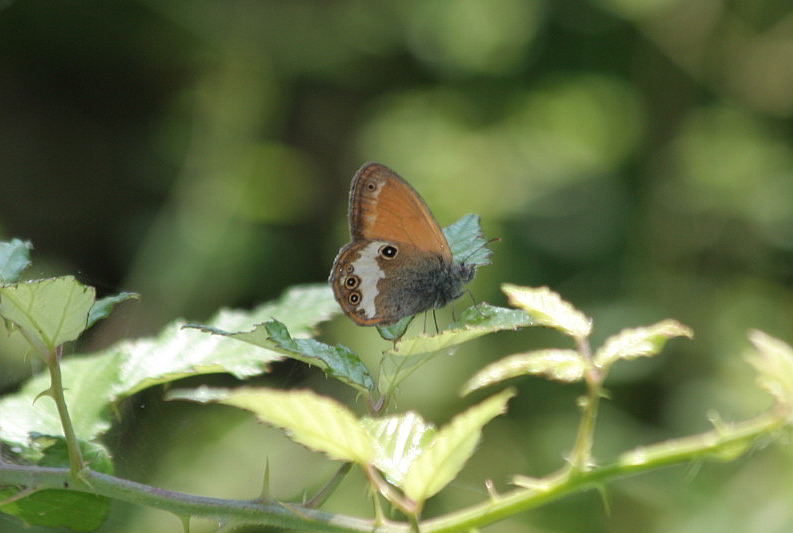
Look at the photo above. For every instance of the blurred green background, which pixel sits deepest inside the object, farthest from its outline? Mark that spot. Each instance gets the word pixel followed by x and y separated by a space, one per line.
pixel 634 155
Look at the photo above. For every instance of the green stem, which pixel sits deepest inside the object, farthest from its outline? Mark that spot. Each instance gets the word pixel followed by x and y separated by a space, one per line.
pixel 56 392
pixel 581 458
pixel 723 442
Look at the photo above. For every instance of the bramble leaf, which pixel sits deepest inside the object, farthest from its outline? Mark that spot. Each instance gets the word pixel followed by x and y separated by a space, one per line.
pixel 315 421
pixel 548 309
pixel 14 258
pixel 556 364
pixel 474 322
pixel 639 342
pixel 467 241
pixel 104 306
pixel 337 361
pixel 398 441
pixel 773 361
pixel 453 444
pixel 48 312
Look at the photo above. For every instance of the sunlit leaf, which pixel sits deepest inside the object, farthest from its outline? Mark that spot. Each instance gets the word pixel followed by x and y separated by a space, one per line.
pixel 398 441
pixel 93 382
pixel 474 322
pixel 48 312
pixel 773 361
pixel 453 444
pixel 78 511
pixel 317 422
pixel 14 258
pixel 639 342
pixel 467 241
pixel 337 361
pixel 104 306
pixel 180 351
pixel 548 309
pixel 559 365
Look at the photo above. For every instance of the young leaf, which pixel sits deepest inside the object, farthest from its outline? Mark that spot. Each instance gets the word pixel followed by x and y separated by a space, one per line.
pixel 14 258
pixel 398 441
pixel 337 361
pixel 453 444
pixel 773 361
pixel 559 365
pixel 103 307
pixel 317 422
pixel 474 322
pixel 548 309
pixel 467 241
pixel 639 342
pixel 48 312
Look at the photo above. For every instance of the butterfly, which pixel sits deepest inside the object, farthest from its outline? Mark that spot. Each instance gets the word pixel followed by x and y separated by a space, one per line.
pixel 399 262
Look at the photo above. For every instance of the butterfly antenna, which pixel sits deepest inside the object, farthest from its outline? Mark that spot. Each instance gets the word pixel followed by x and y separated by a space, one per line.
pixel 484 245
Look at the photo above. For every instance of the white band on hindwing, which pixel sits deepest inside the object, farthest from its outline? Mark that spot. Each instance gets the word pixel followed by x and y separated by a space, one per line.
pixel 369 272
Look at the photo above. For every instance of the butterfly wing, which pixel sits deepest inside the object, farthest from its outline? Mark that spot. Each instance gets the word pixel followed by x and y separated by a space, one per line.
pixel 380 282
pixel 383 206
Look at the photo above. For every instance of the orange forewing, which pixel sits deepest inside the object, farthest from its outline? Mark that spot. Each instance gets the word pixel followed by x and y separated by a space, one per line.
pixel 383 206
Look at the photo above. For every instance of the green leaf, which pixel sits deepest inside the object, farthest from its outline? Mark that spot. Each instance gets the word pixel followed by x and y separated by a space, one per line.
pixel 337 361
pixel 94 382
pixel 181 350
pixel 60 508
pixel 467 242
pixel 104 306
pixel 639 342
pixel 548 309
pixel 557 364
pixel 453 444
pixel 395 331
pixel 398 441
pixel 48 312
pixel 474 322
pixel 14 258
pixel 319 423
pixel 773 361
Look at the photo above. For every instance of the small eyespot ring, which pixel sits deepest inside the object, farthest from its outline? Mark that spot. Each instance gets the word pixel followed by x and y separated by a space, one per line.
pixel 351 282
pixel 371 186
pixel 354 298
pixel 349 269
pixel 389 251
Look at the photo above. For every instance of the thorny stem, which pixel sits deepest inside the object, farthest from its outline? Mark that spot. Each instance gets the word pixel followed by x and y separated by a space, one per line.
pixel 76 462
pixel 721 443
pixel 581 459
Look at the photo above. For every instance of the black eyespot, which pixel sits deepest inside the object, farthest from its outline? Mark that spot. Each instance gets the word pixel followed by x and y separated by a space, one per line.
pixel 351 282
pixel 354 298
pixel 371 186
pixel 388 251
